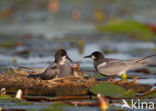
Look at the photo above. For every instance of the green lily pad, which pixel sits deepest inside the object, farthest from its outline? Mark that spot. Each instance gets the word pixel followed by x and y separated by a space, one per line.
pixel 9 98
pixel 59 104
pixel 107 89
pixel 7 44
pixel 128 94
pixel 138 29
pixel 56 106
pixel 24 103
pixel 53 109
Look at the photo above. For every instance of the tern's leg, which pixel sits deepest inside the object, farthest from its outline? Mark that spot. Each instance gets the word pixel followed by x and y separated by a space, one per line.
pixel 111 79
pixel 124 76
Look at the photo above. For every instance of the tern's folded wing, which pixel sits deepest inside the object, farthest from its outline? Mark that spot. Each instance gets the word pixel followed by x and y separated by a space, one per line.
pixel 51 72
pixel 112 67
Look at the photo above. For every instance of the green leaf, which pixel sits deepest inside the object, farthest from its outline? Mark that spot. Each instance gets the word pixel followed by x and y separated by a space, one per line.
pixel 9 98
pixel 52 109
pixel 128 94
pixel 56 106
pixel 24 103
pixel 59 104
pixel 128 27
pixel 107 89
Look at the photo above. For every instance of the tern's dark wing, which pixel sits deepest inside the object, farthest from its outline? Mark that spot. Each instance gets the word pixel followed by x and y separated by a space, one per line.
pixel 51 72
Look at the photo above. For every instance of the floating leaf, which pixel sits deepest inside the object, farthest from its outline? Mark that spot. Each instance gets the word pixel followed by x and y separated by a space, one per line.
pixel 8 44
pixel 9 98
pixel 139 30
pixel 128 94
pixel 24 103
pixel 107 89
pixel 52 109
pixel 57 106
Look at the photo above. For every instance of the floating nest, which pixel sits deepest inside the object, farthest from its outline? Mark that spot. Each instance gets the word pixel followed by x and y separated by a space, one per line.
pixel 66 86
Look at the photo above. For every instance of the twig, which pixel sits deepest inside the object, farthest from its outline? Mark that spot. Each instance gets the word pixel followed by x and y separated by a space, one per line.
pixel 40 98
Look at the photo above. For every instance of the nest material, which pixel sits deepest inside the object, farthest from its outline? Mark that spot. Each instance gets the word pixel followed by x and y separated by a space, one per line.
pixel 49 87
pixel 69 85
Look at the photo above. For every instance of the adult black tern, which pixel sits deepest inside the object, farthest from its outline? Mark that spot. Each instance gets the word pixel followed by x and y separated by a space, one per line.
pixel 59 68
pixel 116 67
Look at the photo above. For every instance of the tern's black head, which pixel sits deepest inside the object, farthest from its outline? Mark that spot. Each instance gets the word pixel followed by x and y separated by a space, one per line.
pixel 95 55
pixel 61 56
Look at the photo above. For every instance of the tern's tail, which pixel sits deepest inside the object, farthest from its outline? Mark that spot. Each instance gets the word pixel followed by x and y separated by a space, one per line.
pixel 141 62
pixel 142 59
pixel 34 76
pixel 148 62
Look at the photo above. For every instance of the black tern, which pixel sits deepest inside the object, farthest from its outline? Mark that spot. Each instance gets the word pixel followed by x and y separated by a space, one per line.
pixel 116 67
pixel 59 68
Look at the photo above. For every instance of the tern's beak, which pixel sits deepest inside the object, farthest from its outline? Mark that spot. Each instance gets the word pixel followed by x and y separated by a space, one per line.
pixel 69 59
pixel 88 56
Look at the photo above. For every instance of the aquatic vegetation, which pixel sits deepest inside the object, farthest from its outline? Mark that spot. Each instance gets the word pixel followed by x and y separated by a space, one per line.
pixel 139 30
pixel 96 76
pixel 14 60
pixel 56 106
pixel 19 94
pixel 24 103
pixel 112 90
pixel 128 94
pixel 109 51
pixel 9 98
pixel 153 49
pixel 59 104
pixel 8 44
pixel 53 109
pixel 31 110
pixel 103 102
pixel 107 89
pixel 151 94
pixel 81 46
